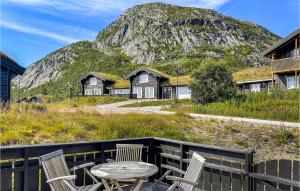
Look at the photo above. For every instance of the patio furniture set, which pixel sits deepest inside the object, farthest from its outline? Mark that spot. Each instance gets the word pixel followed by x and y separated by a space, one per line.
pixel 126 173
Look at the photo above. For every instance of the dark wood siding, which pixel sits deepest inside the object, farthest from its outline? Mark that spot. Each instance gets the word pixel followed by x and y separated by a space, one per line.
pixel 5 84
pixel 103 85
pixel 8 70
pixel 246 88
pixel 152 82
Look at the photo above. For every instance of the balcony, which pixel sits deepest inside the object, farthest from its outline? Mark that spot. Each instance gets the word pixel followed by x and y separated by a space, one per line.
pixel 225 169
pixel 286 65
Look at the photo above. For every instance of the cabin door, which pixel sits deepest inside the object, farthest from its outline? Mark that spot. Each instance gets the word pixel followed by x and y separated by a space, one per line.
pixel 167 92
pixel 138 91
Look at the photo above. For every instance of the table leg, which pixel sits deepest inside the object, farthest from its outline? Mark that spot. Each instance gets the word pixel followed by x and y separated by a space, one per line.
pixel 107 188
pixel 138 185
pixel 118 185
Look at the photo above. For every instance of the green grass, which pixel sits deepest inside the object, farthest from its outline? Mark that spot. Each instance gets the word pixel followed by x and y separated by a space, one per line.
pixel 282 107
pixel 158 103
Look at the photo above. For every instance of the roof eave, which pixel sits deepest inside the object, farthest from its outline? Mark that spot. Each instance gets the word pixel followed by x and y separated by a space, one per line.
pixel 279 43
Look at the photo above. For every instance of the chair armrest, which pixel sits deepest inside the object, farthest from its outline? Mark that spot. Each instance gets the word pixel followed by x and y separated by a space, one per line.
pixel 110 160
pixel 173 169
pixel 81 166
pixel 174 178
pixel 71 177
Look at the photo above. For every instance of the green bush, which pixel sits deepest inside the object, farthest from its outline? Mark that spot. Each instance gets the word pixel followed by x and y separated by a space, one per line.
pixel 212 83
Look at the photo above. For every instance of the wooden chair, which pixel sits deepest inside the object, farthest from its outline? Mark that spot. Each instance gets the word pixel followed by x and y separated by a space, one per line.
pixel 59 177
pixel 187 183
pixel 128 152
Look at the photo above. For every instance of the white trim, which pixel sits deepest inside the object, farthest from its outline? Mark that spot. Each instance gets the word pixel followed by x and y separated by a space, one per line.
pixel 293 82
pixel 98 91
pixel 253 81
pixel 135 91
pixel 149 89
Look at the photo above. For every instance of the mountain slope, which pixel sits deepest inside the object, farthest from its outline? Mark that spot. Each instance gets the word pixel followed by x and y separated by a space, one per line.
pixel 157 34
pixel 152 32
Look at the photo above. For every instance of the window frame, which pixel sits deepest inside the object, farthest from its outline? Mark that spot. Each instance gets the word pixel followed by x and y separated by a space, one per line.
pixel 144 78
pixel 93 79
pixel 257 87
pixel 287 82
pixel 149 95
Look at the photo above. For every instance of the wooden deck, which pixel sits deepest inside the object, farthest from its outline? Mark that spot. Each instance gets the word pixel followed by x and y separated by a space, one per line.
pixel 225 169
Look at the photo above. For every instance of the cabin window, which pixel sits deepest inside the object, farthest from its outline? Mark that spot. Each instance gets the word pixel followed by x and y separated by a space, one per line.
pixel 255 87
pixel 93 81
pixel 97 92
pixel 290 82
pixel 88 92
pixel 144 78
pixel 149 92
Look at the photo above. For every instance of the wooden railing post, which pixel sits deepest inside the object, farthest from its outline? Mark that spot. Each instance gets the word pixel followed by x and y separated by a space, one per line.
pixel 183 155
pixel 26 170
pixel 249 169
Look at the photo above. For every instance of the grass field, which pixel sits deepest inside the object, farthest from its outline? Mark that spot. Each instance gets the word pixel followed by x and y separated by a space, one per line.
pixel 159 103
pixel 281 106
pixel 39 123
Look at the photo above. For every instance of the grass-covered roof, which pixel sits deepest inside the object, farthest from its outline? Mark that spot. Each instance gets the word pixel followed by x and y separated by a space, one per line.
pixel 119 82
pixel 182 80
pixel 158 72
pixel 252 74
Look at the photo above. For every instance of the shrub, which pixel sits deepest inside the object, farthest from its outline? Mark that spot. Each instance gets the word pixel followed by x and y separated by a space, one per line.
pixel 212 83
pixel 283 136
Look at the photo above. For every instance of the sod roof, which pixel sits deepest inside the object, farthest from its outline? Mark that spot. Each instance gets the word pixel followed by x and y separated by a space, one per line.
pixel 119 82
pixel 182 80
pixel 253 74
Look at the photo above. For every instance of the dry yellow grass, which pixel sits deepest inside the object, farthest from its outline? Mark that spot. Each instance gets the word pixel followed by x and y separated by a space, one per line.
pixel 258 73
pixel 182 80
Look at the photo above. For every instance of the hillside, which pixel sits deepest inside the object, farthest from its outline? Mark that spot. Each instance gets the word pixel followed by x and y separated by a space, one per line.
pixel 156 34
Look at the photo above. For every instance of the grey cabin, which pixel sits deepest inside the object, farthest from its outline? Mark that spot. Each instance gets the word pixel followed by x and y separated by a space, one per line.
pixel 148 83
pixel 9 69
pixel 97 84
pixel 285 56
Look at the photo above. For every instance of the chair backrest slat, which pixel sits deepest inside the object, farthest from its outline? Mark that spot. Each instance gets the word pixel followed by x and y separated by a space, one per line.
pixel 54 165
pixel 193 172
pixel 129 152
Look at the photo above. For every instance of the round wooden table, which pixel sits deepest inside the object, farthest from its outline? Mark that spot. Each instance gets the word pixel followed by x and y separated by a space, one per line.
pixel 118 171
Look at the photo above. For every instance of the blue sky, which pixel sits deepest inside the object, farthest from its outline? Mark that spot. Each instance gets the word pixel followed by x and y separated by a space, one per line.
pixel 31 29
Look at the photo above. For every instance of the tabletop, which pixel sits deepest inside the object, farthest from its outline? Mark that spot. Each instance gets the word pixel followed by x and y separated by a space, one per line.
pixel 124 170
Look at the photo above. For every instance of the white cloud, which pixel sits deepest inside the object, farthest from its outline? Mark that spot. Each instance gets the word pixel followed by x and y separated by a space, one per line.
pixel 35 31
pixel 100 6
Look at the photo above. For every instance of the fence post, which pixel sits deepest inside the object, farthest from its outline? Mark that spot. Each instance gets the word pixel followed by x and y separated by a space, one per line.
pixel 183 155
pixel 26 169
pixel 249 169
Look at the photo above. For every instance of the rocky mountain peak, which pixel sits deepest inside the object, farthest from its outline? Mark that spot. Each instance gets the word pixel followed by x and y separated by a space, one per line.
pixel 151 31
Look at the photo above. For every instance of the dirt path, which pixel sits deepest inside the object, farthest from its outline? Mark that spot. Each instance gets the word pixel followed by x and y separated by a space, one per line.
pixel 117 109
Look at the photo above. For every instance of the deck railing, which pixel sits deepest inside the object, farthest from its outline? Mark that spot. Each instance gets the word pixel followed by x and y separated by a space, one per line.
pixel 225 169
pixel 286 64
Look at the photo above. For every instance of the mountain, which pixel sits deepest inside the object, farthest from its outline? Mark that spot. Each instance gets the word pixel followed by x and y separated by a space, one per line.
pixel 156 34
pixel 152 32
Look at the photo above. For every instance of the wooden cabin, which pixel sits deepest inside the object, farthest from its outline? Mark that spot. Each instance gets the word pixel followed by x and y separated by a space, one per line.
pixel 253 80
pixel 98 84
pixel 9 69
pixel 285 55
pixel 148 83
